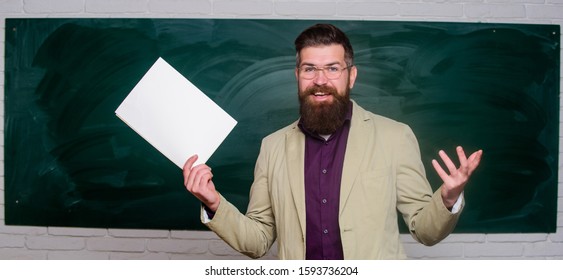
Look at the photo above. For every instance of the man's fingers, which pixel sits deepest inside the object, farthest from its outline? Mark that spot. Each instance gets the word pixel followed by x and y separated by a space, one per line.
pixel 188 168
pixel 448 162
pixel 197 180
pixel 439 170
pixel 474 160
pixel 201 178
pixel 461 156
pixel 195 177
pixel 190 162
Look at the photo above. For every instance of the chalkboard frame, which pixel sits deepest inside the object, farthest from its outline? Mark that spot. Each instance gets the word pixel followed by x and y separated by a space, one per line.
pixel 70 162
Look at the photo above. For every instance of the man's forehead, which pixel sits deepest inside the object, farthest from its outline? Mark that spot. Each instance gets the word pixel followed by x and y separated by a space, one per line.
pixel 331 54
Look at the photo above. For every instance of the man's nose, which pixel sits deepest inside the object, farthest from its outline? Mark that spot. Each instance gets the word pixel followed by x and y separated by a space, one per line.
pixel 320 77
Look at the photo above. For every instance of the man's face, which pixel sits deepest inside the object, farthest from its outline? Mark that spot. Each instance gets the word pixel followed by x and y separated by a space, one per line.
pixel 323 56
pixel 324 101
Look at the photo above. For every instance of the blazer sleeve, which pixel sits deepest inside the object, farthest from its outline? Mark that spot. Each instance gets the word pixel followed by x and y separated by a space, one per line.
pixel 254 233
pixel 428 220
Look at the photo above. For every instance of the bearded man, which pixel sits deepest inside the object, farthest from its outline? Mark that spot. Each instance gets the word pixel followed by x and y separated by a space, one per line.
pixel 331 184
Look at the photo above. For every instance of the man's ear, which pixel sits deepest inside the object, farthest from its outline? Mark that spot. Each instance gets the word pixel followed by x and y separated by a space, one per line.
pixel 353 74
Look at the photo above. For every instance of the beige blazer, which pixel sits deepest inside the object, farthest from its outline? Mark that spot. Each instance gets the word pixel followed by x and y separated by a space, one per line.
pixel 382 173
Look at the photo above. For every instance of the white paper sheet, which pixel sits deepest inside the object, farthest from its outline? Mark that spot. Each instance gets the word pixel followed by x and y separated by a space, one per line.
pixel 174 116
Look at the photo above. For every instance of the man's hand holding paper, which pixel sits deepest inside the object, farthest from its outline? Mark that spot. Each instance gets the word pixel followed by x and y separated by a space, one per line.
pixel 197 180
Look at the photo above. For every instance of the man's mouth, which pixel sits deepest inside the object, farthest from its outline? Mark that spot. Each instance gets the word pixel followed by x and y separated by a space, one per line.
pixel 321 96
pixel 320 93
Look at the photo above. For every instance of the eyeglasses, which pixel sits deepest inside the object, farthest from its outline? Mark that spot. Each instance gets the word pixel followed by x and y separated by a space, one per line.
pixel 309 72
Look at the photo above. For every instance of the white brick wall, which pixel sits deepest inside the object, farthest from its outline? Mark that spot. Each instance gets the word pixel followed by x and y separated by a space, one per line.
pixel 18 242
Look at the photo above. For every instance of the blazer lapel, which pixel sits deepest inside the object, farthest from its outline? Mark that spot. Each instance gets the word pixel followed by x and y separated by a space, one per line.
pixel 355 151
pixel 295 154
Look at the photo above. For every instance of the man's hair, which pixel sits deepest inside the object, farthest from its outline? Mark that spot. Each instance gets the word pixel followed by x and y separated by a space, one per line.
pixel 324 35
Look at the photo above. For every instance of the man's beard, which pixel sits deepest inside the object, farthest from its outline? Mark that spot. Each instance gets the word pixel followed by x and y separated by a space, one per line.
pixel 323 118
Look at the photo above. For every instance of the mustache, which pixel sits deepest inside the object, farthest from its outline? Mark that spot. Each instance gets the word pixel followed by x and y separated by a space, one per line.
pixel 320 88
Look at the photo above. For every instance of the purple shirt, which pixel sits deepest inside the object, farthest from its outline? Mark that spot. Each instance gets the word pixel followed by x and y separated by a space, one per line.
pixel 324 160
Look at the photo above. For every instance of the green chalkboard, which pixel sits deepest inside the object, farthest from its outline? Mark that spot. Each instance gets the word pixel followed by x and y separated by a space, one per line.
pixel 69 161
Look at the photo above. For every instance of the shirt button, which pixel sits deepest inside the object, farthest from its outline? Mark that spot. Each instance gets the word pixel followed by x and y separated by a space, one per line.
pixel 324 171
pixel 325 231
pixel 324 200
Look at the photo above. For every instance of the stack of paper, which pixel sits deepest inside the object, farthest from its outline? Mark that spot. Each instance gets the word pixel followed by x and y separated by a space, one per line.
pixel 174 116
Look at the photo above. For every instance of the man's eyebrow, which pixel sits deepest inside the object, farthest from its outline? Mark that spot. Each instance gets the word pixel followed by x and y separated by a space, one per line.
pixel 328 64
